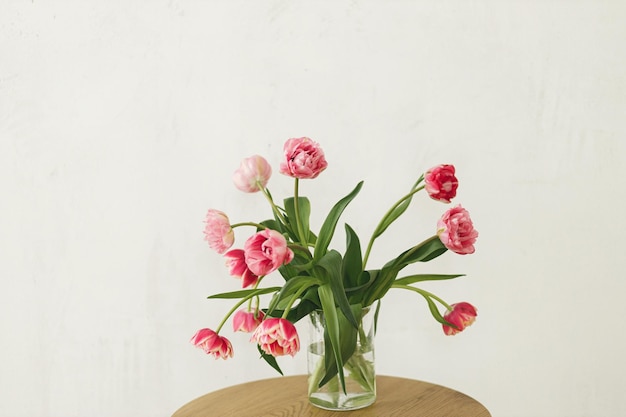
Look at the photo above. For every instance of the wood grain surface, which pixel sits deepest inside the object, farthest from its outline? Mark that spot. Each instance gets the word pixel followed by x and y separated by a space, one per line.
pixel 286 397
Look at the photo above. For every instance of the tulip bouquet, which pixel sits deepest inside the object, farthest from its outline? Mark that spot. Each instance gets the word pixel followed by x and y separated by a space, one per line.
pixel 316 277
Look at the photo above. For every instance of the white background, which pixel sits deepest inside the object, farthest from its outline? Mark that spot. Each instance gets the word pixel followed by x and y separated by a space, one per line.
pixel 121 123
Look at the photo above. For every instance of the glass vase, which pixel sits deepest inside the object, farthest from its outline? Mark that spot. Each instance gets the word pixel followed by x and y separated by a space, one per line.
pixel 326 389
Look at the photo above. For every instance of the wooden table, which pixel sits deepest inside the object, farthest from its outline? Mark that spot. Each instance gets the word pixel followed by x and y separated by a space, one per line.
pixel 286 397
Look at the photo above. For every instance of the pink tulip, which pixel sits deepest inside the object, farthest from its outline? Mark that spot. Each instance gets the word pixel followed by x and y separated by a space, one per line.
pixel 213 344
pixel 461 316
pixel 277 337
pixel 236 263
pixel 253 174
pixel 266 251
pixel 247 321
pixel 456 231
pixel 217 231
pixel 304 158
pixel 441 184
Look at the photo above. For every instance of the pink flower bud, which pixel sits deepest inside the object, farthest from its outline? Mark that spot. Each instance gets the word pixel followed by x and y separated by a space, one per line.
pixel 217 231
pixel 277 337
pixel 236 263
pixel 213 344
pixel 461 316
pixel 304 158
pixel 247 321
pixel 456 231
pixel 441 183
pixel 253 174
pixel 266 251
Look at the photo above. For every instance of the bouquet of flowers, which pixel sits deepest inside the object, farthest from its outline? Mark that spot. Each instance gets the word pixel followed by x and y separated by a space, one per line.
pixel 316 277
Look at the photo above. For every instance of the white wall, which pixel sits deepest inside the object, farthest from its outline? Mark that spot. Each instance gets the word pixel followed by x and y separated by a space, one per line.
pixel 121 123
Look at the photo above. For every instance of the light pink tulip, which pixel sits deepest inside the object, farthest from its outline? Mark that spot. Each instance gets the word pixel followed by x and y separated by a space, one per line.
pixel 304 158
pixel 461 316
pixel 217 231
pixel 277 337
pixel 247 321
pixel 213 344
pixel 236 263
pixel 456 231
pixel 441 183
pixel 266 251
pixel 253 174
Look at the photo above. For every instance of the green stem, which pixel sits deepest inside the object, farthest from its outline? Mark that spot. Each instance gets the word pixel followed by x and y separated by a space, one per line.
pixel 296 205
pixel 362 335
pixel 423 293
pixel 257 225
pixel 300 247
pixel 277 212
pixel 376 232
pixel 302 267
pixel 232 310
pixel 361 371
pixel 293 299
pixel 256 300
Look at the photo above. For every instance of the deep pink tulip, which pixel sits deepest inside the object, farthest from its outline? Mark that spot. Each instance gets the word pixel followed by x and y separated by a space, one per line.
pixel 217 231
pixel 304 158
pixel 456 231
pixel 247 321
pixel 213 344
pixel 441 183
pixel 461 316
pixel 277 337
pixel 266 251
pixel 253 174
pixel 236 263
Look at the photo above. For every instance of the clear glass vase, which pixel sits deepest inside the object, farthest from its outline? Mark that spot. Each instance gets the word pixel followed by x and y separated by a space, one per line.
pixel 357 344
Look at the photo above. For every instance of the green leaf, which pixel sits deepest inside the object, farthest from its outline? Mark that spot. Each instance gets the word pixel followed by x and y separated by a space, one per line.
pixel 424 252
pixel 425 277
pixel 332 327
pixel 277 223
pixel 352 265
pixel 376 316
pixel 357 293
pixel 271 360
pixel 349 336
pixel 380 285
pixel 331 270
pixel 245 293
pixel 328 227
pixel 303 309
pixel 308 302
pixel 274 225
pixel 294 285
pixel 296 267
pixel 304 209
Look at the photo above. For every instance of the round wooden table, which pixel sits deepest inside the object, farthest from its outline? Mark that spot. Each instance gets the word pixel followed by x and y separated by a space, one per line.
pixel 286 397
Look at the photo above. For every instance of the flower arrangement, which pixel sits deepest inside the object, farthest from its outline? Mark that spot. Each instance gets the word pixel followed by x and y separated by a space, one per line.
pixel 317 278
